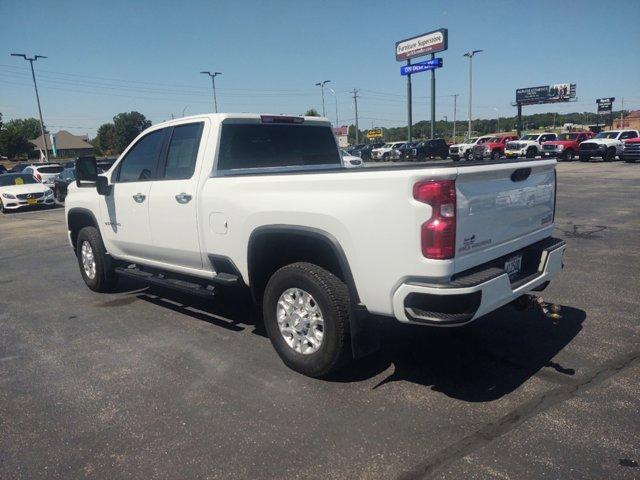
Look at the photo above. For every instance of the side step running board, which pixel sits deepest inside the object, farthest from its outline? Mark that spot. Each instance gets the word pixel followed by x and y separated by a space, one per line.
pixel 201 290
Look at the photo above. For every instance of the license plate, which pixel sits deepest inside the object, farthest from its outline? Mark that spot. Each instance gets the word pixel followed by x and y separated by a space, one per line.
pixel 31 201
pixel 513 265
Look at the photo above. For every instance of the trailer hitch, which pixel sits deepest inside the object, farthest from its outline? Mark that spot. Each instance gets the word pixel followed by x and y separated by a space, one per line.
pixel 549 310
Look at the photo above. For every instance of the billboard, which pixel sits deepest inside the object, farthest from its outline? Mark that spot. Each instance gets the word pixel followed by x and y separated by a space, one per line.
pixel 432 42
pixel 560 92
pixel 421 66
pixel 605 105
pixel 374 133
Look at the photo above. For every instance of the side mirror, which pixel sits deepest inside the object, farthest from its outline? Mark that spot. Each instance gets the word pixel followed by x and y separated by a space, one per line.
pixel 86 172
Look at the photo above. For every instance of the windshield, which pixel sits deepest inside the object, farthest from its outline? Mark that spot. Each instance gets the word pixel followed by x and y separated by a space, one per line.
pixel 567 136
pixel 9 179
pixel 529 137
pixel 608 135
pixel 472 140
pixel 493 140
pixel 484 139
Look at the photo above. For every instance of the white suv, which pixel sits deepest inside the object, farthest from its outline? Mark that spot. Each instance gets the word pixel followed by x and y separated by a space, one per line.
pixel 528 145
pixel 44 173
pixel 383 152
pixel 606 145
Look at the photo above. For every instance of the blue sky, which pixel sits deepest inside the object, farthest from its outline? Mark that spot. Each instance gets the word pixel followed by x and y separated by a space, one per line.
pixel 109 57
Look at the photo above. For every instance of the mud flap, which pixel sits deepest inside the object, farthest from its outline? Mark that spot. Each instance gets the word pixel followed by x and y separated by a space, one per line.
pixel 365 332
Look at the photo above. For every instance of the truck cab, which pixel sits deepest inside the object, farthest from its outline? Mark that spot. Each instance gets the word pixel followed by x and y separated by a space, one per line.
pixel 529 145
pixel 566 146
pixel 494 148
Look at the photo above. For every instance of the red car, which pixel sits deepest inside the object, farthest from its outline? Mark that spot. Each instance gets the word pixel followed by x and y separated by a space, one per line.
pixel 566 146
pixel 631 150
pixel 492 148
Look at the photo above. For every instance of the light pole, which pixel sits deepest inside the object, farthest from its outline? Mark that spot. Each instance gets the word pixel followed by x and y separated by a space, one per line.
pixel 213 84
pixel 31 60
pixel 335 96
pixel 321 85
pixel 470 55
pixel 183 110
pixel 445 124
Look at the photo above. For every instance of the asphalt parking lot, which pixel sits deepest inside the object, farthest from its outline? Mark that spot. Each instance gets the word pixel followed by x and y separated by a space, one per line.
pixel 144 383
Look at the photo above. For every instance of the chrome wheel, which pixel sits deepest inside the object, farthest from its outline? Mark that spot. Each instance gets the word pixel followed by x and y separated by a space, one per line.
pixel 88 260
pixel 300 321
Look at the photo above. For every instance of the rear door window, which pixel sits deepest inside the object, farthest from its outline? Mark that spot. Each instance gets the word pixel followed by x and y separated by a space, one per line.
pixel 50 169
pixel 251 146
pixel 139 164
pixel 183 151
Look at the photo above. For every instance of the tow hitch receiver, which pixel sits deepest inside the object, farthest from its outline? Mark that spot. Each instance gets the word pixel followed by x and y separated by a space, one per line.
pixel 550 310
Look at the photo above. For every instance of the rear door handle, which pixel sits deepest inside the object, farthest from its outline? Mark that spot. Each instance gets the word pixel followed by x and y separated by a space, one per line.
pixel 183 198
pixel 138 197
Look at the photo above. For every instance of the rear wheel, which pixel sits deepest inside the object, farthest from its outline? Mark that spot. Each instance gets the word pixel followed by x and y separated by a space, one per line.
pixel 96 266
pixel 584 158
pixel 306 314
pixel 495 155
pixel 531 153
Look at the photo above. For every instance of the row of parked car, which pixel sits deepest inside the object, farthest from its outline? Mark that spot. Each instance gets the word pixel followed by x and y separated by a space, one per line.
pixel 26 184
pixel 624 144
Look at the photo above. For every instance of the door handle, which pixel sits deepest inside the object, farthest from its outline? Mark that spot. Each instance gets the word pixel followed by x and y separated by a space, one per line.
pixel 183 198
pixel 138 197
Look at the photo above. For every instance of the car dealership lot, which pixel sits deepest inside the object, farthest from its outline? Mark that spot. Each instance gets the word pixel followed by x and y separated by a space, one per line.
pixel 151 384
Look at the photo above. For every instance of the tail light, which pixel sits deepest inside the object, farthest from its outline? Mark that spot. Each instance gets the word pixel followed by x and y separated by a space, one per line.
pixel 38 177
pixel 438 234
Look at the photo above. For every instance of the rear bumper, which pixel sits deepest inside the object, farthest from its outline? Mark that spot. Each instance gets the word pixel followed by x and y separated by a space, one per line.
pixel 476 293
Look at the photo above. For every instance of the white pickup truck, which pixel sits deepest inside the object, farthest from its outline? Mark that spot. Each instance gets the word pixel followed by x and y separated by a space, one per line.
pixel 264 202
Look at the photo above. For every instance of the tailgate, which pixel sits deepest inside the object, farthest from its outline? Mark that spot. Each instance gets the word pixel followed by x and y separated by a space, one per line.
pixel 500 203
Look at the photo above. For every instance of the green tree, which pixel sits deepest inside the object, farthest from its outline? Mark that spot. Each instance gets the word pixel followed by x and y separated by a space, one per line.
pixel 15 136
pixel 312 112
pixel 105 140
pixel 128 126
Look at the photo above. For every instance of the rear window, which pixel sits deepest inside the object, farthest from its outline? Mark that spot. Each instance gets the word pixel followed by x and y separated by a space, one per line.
pixel 50 169
pixel 246 146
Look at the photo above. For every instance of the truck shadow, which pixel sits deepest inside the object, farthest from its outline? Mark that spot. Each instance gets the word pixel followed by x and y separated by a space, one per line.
pixel 480 362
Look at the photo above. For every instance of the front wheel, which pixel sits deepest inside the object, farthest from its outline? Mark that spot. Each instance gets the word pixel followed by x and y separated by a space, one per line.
pixel 96 266
pixel 495 155
pixel 567 155
pixel 610 155
pixel 306 313
pixel 584 158
pixel 468 156
pixel 531 153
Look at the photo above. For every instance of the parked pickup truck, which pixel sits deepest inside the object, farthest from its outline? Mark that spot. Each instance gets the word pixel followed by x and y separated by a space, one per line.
pixel 492 148
pixel 426 150
pixel 528 146
pixel 631 150
pixel 606 145
pixel 465 149
pixel 263 202
pixel 566 146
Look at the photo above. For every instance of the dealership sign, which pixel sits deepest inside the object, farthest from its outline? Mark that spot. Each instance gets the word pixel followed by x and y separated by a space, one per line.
pixel 374 133
pixel 421 66
pixel 425 44
pixel 605 105
pixel 560 92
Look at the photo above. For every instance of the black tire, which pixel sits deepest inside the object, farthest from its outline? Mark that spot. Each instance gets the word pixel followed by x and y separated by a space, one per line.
pixel 495 155
pixel 2 210
pixel 468 156
pixel 609 155
pixel 531 153
pixel 584 158
pixel 332 297
pixel 567 155
pixel 105 278
pixel 443 157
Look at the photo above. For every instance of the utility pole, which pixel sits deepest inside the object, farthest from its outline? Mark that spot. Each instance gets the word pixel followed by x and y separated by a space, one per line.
pixel 321 85
pixel 35 84
pixel 470 55
pixel 455 101
pixel 622 113
pixel 355 101
pixel 335 96
pixel 213 84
